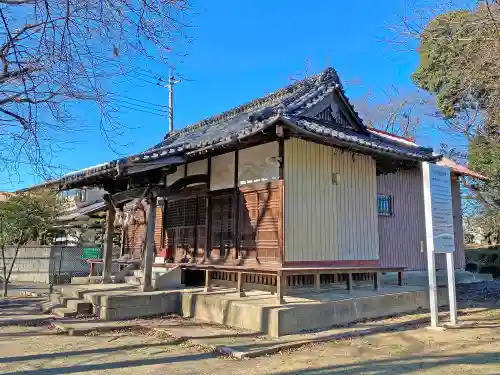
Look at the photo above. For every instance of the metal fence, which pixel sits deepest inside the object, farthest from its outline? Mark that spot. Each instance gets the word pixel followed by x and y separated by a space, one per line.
pixel 66 262
pixel 49 264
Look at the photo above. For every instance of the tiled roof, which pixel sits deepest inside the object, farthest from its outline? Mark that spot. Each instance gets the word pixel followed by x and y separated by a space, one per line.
pixel 84 211
pixel 288 104
pixel 251 117
pixel 362 140
pixel 460 169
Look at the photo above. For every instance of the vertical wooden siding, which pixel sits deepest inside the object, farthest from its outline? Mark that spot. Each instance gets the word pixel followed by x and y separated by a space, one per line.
pixel 261 218
pixel 324 221
pixel 402 235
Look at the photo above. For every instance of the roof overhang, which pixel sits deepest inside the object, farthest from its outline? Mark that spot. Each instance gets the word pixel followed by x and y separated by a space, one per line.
pixel 461 170
pixel 83 213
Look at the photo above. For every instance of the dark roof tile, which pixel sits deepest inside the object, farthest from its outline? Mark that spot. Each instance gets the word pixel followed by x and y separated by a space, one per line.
pixel 288 103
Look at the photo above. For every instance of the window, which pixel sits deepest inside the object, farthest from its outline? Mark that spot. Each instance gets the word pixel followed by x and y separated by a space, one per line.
pixel 384 205
pixel 185 219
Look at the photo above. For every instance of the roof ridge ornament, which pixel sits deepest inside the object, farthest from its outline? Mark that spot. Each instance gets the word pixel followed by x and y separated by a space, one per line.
pixel 329 74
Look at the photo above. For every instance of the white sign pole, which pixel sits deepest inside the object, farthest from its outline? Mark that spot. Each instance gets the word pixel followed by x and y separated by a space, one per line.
pixel 439 233
pixel 431 262
pixel 452 294
pixel 433 298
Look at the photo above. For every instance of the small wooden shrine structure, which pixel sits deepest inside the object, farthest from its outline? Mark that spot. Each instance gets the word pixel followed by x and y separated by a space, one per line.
pixel 281 190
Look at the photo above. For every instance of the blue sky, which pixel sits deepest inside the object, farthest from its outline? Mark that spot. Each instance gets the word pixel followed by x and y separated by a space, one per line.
pixel 240 50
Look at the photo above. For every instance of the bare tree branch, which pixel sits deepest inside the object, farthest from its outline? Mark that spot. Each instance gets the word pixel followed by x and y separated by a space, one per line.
pixel 56 52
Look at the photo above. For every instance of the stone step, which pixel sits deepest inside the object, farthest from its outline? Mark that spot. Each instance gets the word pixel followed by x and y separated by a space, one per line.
pixel 55 297
pixel 80 306
pixel 64 312
pixel 48 306
pixel 133 280
pixel 154 274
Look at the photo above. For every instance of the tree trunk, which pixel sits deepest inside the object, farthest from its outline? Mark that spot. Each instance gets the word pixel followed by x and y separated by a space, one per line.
pixel 4 269
pixel 7 275
pixel 18 246
pixel 4 264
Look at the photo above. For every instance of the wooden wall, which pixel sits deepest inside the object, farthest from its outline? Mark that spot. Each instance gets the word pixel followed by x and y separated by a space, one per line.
pixel 402 235
pixel 245 226
pixel 330 205
pixel 261 223
pixel 245 223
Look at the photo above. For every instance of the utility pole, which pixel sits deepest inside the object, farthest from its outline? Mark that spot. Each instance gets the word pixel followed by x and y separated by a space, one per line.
pixel 171 82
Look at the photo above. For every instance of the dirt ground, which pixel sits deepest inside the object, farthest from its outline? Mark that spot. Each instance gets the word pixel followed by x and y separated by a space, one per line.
pixel 411 349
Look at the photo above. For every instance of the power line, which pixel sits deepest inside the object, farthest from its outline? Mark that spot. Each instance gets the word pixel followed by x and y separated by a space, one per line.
pixel 136 100
pixel 144 111
pixel 127 76
pixel 148 73
pixel 141 105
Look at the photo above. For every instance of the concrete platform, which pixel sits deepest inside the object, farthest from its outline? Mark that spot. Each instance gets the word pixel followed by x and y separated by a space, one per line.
pixel 257 311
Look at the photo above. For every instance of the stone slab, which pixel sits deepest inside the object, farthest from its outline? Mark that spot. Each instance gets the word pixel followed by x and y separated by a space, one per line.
pixel 136 305
pixel 83 328
pixel 26 320
pixel 64 312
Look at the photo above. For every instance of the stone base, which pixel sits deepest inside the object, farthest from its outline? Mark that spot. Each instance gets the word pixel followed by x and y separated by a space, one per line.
pixel 257 311
pixel 302 314
pixel 136 305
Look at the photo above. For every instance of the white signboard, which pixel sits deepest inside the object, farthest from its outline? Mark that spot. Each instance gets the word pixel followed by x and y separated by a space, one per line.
pixel 438 209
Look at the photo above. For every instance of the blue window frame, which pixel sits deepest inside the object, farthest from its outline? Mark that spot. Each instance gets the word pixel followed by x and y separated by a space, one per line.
pixel 384 205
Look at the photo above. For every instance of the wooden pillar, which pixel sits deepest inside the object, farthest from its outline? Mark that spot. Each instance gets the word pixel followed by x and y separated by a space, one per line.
pixel 377 281
pixel 150 244
pixel 208 281
pixel 123 229
pixel 349 282
pixel 107 256
pixel 241 292
pixel 236 230
pixel 281 154
pixel 208 220
pixel 317 282
pixel 280 287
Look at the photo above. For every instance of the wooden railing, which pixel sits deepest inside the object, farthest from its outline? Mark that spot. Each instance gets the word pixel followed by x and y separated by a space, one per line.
pixel 279 280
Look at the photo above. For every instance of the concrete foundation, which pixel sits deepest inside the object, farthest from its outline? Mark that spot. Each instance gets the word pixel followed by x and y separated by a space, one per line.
pixel 257 311
pixel 129 306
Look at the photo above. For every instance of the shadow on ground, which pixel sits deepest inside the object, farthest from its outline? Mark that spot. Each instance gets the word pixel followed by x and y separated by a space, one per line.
pixel 403 365
pixel 90 368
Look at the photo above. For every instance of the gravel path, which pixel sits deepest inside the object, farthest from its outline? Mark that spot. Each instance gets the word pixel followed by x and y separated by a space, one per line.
pixel 411 349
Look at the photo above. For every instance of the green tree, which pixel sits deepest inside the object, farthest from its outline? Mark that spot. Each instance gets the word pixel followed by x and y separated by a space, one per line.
pixel 23 217
pixel 460 64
